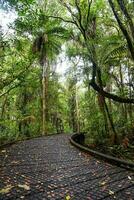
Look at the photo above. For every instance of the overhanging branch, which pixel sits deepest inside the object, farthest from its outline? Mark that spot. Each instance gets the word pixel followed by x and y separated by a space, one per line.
pixel 60 18
pixel 13 87
pixel 110 95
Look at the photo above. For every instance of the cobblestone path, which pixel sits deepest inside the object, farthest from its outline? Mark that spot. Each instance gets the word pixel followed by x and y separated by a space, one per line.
pixel 49 168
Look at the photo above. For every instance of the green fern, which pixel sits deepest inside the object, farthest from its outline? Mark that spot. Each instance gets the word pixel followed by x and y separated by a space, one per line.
pixel 113 47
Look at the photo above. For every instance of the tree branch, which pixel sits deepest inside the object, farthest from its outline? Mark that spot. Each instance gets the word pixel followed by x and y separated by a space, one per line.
pixel 125 12
pixel 123 29
pixel 110 95
pixel 15 86
pixel 88 14
pixel 80 17
pixel 60 18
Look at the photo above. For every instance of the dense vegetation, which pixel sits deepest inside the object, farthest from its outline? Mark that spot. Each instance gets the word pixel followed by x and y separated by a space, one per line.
pixel 96 93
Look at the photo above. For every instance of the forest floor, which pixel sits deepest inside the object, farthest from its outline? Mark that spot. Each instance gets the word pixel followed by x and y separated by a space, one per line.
pixel 51 168
pixel 124 152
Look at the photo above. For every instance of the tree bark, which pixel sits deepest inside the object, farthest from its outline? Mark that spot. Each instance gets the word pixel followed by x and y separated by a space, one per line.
pixel 44 128
pixel 114 135
pixel 121 3
pixel 123 29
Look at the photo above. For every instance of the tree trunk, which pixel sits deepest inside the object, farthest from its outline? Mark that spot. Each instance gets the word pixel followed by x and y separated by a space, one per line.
pixel 130 106
pixel 44 128
pixel 105 108
pixel 123 7
pixel 124 109
pixel 3 107
pixel 77 113
pixel 114 138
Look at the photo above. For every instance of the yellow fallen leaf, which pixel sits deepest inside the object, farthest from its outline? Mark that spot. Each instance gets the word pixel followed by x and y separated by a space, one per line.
pixel 26 187
pixel 6 189
pixel 111 192
pixel 3 151
pixel 68 197
pixel 103 183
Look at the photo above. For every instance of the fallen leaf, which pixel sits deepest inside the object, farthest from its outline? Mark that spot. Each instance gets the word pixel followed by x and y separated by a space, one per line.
pixel 14 162
pixel 3 151
pixel 23 175
pixel 68 197
pixel 26 187
pixel 129 177
pixel 103 183
pixel 6 189
pixel 111 192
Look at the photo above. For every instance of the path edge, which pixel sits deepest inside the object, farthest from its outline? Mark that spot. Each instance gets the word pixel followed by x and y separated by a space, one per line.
pixel 10 143
pixel 108 158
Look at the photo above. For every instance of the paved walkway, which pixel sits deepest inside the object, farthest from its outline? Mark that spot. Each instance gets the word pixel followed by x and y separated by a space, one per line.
pixel 49 168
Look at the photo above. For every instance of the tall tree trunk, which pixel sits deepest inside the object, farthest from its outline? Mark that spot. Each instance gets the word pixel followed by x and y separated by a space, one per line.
pixel 101 103
pixel 23 123
pixel 130 106
pixel 46 91
pixel 77 112
pixel 124 108
pixel 105 108
pixel 3 107
pixel 114 138
pixel 44 128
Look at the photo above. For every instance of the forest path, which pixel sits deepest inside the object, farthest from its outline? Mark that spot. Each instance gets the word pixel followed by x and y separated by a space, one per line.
pixel 50 168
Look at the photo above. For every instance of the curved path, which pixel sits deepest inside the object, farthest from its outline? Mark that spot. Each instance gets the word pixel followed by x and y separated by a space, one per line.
pixel 49 168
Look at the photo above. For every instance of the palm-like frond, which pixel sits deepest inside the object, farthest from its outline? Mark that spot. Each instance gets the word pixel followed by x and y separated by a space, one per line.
pixel 47 44
pixel 57 30
pixel 112 48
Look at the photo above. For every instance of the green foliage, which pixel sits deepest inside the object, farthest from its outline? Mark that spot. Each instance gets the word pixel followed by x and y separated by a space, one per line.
pixel 41 31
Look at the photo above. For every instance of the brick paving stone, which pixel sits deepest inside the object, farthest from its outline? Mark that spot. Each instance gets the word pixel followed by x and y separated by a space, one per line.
pixel 50 168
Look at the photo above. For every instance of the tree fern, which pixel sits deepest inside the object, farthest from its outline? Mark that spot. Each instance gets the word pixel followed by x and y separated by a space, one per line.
pixel 112 48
